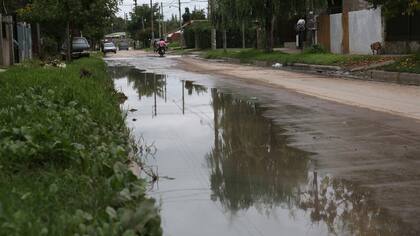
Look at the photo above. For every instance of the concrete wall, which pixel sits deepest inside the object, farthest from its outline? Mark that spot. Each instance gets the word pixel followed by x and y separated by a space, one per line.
pixel 365 28
pixel 336 33
pixel 401 47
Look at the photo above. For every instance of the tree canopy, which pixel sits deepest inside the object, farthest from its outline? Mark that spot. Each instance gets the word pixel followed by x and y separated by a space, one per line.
pixel 397 7
pixel 139 27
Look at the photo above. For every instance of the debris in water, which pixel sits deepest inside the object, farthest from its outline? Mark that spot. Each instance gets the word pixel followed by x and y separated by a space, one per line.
pixel 134 119
pixel 133 110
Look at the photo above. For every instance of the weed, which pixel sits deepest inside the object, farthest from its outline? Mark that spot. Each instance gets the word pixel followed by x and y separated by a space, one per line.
pixel 64 154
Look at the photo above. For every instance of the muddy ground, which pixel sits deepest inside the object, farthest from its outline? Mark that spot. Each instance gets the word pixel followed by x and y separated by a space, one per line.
pixel 364 135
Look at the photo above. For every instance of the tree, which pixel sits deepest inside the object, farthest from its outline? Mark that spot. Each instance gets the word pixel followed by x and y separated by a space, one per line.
pixel 186 17
pixel 198 14
pixel 117 24
pixel 397 7
pixel 172 24
pixel 75 15
pixel 263 13
pixel 139 27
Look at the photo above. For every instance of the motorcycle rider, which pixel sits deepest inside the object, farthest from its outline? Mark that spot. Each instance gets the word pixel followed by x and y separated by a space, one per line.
pixel 162 45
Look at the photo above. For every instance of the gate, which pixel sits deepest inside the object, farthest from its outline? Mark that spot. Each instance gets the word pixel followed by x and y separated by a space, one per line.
pixel 24 41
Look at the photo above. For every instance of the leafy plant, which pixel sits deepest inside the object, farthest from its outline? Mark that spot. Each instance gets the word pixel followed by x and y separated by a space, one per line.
pixel 316 48
pixel 64 154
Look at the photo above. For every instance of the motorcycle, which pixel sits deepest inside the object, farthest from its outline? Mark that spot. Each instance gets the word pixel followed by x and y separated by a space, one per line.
pixel 161 51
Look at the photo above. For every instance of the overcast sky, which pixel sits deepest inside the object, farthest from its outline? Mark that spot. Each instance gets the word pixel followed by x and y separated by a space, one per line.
pixel 169 6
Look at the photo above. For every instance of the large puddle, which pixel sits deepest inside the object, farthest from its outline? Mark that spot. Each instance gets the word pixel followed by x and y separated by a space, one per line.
pixel 231 171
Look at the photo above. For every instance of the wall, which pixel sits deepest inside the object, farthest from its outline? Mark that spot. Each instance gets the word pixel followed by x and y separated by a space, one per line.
pixel 365 28
pixel 401 47
pixel 336 32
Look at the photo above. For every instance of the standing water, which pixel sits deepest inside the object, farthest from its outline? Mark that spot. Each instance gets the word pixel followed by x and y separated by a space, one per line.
pixel 229 170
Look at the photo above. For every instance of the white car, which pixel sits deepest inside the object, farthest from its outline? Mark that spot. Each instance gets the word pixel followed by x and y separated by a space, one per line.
pixel 109 47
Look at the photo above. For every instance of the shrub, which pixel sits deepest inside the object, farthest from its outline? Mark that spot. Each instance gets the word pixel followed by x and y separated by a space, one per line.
pixel 64 154
pixel 316 48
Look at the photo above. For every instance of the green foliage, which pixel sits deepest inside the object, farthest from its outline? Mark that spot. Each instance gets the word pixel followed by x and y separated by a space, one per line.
pixel 64 151
pixel 198 14
pixel 316 48
pixel 397 7
pixel 49 46
pixel 249 55
pixel 410 64
pixel 139 27
pixel 90 16
pixel 417 56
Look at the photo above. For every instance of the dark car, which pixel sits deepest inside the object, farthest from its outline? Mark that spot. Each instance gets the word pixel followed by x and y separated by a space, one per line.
pixel 80 48
pixel 123 46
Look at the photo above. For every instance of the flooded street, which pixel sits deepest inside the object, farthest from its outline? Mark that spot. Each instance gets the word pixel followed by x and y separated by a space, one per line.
pixel 238 158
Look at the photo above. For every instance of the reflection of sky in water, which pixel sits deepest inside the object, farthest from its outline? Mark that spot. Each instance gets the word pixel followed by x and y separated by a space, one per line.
pixel 234 172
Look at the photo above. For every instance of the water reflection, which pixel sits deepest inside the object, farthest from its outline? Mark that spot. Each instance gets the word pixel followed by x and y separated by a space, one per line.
pixel 250 165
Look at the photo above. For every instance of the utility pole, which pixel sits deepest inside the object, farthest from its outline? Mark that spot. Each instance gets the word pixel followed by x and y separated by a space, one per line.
pixel 180 25
pixel 162 21
pixel 151 19
pixel 213 29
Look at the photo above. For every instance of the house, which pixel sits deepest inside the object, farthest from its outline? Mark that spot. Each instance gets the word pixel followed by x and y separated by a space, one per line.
pixel 351 26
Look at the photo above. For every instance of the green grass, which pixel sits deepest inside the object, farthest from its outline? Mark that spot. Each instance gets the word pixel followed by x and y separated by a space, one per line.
pixel 410 64
pixel 64 154
pixel 249 55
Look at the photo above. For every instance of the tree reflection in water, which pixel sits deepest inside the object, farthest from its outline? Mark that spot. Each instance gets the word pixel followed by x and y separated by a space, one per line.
pixel 190 87
pixel 147 84
pixel 251 165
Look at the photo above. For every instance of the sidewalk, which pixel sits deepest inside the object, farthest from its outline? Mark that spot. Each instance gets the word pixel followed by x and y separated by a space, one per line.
pixel 386 97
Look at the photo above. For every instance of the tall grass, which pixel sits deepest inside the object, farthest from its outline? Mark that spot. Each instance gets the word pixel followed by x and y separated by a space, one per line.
pixel 64 154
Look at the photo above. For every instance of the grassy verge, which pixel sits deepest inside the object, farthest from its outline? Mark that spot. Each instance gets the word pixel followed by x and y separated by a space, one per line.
pixel 64 154
pixel 249 55
pixel 409 64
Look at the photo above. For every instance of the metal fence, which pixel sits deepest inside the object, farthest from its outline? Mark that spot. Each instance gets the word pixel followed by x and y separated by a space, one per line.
pixel 24 41
pixel 15 41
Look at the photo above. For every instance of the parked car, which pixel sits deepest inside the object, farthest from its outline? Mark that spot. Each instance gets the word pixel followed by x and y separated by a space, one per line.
pixel 80 48
pixel 109 47
pixel 123 46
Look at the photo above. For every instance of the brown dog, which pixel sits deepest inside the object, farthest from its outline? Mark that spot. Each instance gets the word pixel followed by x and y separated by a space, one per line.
pixel 377 46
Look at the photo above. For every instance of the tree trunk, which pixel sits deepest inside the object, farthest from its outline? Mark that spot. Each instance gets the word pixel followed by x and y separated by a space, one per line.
pixel 273 19
pixel 68 42
pixel 224 40
pixel 257 43
pixel 243 34
pixel 196 40
pixel 269 32
pixel 213 39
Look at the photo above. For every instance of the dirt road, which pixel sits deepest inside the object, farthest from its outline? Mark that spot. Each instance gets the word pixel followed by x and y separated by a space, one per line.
pixel 392 98
pixel 374 155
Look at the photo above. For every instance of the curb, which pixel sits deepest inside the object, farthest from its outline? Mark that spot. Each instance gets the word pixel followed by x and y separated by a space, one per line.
pixel 394 77
pixel 362 73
